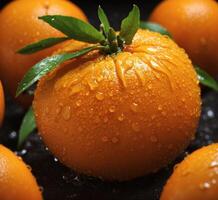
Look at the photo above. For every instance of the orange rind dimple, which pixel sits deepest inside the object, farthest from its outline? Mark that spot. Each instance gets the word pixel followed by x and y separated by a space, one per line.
pixel 120 116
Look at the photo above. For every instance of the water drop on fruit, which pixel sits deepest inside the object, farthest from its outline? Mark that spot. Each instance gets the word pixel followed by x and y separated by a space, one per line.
pixel 66 112
pixel 115 140
pixel 99 96
pixel 134 107
pixel 112 109
pixel 214 164
pixel 136 127
pixel 153 138
pixel 121 117
pixel 104 139
pixel 204 186
pixel 78 103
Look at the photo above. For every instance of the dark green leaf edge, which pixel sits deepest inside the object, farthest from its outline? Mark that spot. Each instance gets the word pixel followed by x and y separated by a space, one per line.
pixel 155 28
pixel 46 65
pixel 205 79
pixel 104 20
pixel 74 28
pixel 28 125
pixel 130 25
pixel 42 44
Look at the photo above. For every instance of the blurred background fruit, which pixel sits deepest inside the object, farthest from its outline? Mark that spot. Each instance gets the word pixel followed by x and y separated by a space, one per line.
pixel 2 103
pixel 146 98
pixel 16 180
pixel 194 26
pixel 195 178
pixel 20 26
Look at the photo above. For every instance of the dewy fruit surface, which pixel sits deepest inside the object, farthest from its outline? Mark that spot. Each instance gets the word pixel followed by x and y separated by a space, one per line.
pixel 16 180
pixel 2 103
pixel 120 116
pixel 195 178
pixel 193 24
pixel 19 27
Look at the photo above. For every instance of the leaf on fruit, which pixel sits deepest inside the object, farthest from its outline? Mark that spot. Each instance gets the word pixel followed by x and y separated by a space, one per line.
pixel 130 25
pixel 104 20
pixel 46 65
pixel 42 44
pixel 74 28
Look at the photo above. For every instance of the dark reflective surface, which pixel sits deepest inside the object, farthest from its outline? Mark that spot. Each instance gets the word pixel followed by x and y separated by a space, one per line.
pixel 59 182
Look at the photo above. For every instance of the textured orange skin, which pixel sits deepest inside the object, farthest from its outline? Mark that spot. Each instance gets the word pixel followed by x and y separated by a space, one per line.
pixel 16 180
pixel 188 179
pixel 121 116
pixel 2 103
pixel 19 27
pixel 193 24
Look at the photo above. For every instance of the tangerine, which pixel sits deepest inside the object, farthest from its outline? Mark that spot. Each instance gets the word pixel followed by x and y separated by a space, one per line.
pixel 193 24
pixel 123 115
pixel 19 27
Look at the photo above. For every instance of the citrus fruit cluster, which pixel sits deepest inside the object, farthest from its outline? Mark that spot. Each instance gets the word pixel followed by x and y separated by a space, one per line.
pixel 112 104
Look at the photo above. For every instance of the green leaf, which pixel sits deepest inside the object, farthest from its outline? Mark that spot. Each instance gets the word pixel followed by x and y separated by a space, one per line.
pixel 155 28
pixel 206 80
pixel 130 25
pixel 46 65
pixel 27 126
pixel 42 44
pixel 104 20
pixel 74 28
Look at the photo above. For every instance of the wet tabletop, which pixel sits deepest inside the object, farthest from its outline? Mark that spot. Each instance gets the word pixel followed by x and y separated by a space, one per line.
pixel 59 182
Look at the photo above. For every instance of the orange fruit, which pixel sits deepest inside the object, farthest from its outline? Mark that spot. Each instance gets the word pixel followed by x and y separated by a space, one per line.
pixel 120 116
pixel 16 180
pixel 19 27
pixel 193 24
pixel 2 103
pixel 195 178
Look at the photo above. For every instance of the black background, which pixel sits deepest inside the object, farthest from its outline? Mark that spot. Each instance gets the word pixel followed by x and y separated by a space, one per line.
pixel 59 182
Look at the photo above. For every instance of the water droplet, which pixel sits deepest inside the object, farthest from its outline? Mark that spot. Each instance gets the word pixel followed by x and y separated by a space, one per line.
pixel 78 103
pixel 99 96
pixel 58 109
pixel 134 107
pixel 105 120
pixel 175 166
pixel 112 109
pixel 136 127
pixel 46 110
pixel 160 107
pixel 204 186
pixel 29 167
pixel 121 117
pixel 41 189
pixel 213 181
pixel 115 140
pixel 185 173
pixel 104 139
pixel 149 86
pixel 66 112
pixel 110 93
pixel 153 138
pixel 93 84
pixel 214 164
